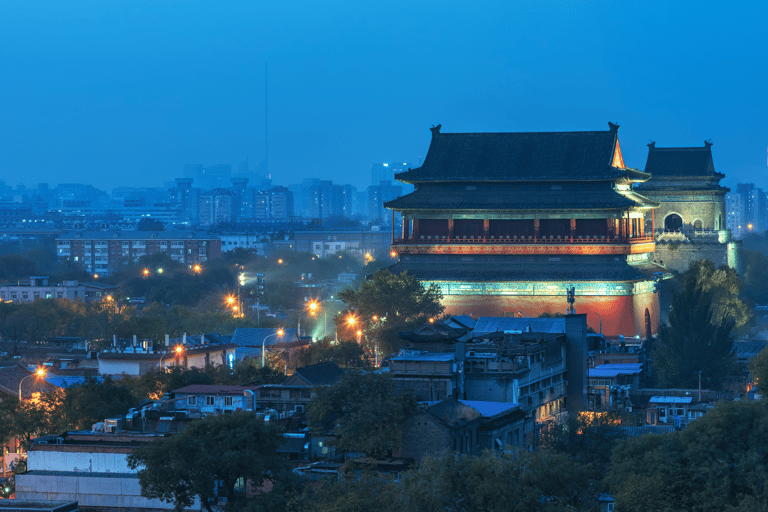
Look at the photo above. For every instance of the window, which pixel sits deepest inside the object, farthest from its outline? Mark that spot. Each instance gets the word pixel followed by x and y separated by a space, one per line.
pixel 192 400
pixel 209 400
pixel 610 507
pixel 228 401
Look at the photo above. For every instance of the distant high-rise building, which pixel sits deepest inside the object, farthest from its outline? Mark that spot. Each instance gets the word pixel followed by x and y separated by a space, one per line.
pixel 378 195
pixel 239 188
pixel 747 210
pixel 386 171
pixel 216 207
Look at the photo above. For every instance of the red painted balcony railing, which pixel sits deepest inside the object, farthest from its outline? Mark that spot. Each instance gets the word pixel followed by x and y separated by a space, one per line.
pixel 524 240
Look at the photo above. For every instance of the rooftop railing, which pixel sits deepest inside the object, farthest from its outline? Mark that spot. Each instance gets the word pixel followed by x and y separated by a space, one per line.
pixel 524 240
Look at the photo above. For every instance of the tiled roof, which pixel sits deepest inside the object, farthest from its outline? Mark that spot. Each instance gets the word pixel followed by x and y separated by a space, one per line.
pixel 490 409
pixel 212 389
pixel 464 320
pixel 433 332
pixel 670 400
pixel 499 200
pixel 553 156
pixel 680 162
pixel 253 337
pixel 610 373
pixel 320 374
pixel 526 271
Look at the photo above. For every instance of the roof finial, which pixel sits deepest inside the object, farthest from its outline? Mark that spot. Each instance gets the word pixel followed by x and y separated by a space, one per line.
pixel 708 143
pixel 652 144
pixel 435 129
pixel 613 127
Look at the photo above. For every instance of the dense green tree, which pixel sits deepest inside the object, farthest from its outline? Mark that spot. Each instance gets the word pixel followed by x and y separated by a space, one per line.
pixel 385 304
pixel 719 462
pixel 755 276
pixel 229 450
pixel 364 411
pixel 758 368
pixel 694 340
pixel 587 438
pixel 347 354
pixel 490 482
pixel 725 285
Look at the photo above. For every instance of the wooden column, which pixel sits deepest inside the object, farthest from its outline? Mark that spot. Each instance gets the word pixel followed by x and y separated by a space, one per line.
pixel 450 229
pixel 610 223
pixel 416 230
pixel 641 224
pixel 536 228
pixel 573 229
pixel 653 224
pixel 406 222
pixel 486 229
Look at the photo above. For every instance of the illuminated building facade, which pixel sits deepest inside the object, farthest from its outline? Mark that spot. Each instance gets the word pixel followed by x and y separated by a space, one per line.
pixel 506 223
pixel 691 218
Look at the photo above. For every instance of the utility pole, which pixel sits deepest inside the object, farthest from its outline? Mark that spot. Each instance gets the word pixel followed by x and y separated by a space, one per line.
pixel 699 386
pixel 259 293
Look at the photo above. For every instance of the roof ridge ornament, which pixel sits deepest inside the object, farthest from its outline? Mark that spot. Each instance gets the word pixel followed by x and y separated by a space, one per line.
pixel 614 127
pixel 652 144
pixel 708 143
pixel 435 129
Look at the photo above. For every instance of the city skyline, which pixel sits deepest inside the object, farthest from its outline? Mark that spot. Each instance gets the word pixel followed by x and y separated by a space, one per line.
pixel 126 93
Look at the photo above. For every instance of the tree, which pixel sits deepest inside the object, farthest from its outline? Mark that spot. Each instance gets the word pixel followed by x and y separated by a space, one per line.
pixel 695 339
pixel 364 411
pixel 758 368
pixel 717 463
pixel 394 300
pixel 229 449
pixel 725 285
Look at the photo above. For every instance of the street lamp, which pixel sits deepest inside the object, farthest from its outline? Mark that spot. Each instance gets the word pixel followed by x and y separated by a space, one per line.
pixel 146 272
pixel 176 352
pixel 40 372
pixel 279 333
pixel 197 269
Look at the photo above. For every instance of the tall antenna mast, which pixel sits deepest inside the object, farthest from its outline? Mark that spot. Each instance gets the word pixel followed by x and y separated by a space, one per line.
pixel 266 127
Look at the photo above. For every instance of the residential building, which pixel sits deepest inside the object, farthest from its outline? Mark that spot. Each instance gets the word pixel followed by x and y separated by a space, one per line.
pixel 91 468
pixel 213 398
pixel 103 252
pixel 293 395
pixel 324 243
pixel 747 210
pixel 217 207
pixel 508 222
pixel 610 385
pixel 38 287
pixel 386 171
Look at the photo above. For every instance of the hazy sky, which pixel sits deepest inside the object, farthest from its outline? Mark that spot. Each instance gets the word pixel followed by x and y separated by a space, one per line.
pixel 125 93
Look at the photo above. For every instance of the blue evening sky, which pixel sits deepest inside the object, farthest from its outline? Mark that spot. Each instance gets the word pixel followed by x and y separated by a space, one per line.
pixel 126 92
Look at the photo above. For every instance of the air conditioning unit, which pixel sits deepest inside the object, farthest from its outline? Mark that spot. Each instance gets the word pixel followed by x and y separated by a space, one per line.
pixel 628 409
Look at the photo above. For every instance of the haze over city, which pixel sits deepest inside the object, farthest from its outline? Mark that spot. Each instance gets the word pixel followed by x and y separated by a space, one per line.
pixel 126 93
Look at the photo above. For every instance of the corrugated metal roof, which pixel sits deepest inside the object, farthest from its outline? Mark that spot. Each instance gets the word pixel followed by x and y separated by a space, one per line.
pixel 620 366
pixel 490 409
pixel 424 357
pixel 489 324
pixel 595 372
pixel 670 400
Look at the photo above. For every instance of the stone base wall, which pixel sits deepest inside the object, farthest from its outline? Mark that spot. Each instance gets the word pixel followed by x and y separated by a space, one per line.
pixel 621 314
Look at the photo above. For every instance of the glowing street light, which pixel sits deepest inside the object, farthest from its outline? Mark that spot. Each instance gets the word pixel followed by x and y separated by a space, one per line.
pixel 177 351
pixel 279 333
pixel 146 272
pixel 39 373
pixel 197 269
pixel 351 320
pixel 280 261
pixel 393 254
pixel 159 271
pixel 96 276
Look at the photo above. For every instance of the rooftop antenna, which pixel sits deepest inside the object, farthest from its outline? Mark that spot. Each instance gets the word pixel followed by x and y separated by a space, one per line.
pixel 571 299
pixel 266 127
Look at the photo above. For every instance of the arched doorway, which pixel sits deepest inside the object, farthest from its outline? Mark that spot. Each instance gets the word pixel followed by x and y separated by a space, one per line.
pixel 697 225
pixel 673 222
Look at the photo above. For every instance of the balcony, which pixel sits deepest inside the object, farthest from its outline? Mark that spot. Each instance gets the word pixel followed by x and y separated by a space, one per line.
pixel 513 244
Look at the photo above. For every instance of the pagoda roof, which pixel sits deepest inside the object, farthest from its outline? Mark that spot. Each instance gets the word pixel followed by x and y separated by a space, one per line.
pixel 607 199
pixel 534 156
pixel 669 163
pixel 526 271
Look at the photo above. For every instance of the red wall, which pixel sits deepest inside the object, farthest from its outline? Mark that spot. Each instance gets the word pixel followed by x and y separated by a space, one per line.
pixel 621 314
